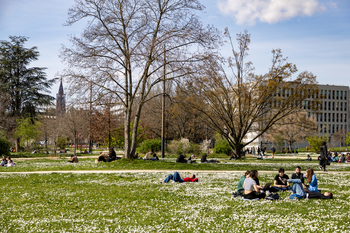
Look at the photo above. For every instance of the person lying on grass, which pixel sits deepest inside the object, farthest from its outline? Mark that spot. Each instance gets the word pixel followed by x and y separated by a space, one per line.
pixel 73 159
pixel 204 159
pixel 177 178
pixel 251 190
pixel 281 181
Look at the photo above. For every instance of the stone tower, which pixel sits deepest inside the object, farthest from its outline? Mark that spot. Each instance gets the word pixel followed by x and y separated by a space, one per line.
pixel 60 101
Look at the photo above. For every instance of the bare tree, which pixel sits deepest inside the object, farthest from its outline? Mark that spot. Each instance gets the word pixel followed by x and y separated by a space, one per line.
pixel 294 128
pixel 340 136
pixel 123 48
pixel 75 125
pixel 242 102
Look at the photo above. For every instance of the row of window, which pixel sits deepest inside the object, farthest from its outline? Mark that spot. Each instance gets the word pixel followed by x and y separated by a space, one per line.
pixel 331 128
pixel 332 117
pixel 333 94
pixel 334 106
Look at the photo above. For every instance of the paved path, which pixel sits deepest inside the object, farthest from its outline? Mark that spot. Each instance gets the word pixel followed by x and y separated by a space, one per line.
pixel 140 171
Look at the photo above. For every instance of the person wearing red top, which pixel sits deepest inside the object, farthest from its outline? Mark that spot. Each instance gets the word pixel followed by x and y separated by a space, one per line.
pixel 177 178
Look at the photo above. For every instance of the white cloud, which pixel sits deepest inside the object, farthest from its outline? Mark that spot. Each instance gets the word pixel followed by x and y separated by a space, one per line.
pixel 269 11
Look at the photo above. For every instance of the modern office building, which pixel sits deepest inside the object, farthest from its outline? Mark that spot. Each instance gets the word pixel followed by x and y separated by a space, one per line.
pixel 334 112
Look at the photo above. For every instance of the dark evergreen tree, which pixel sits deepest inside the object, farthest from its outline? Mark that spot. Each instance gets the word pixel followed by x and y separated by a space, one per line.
pixel 23 89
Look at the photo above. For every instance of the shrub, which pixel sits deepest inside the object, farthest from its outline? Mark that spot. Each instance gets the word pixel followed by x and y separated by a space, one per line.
pixel 4 147
pixel 316 142
pixel 150 144
pixel 222 147
pixel 182 146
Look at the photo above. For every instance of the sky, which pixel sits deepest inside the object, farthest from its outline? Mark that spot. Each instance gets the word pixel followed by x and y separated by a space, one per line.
pixel 313 34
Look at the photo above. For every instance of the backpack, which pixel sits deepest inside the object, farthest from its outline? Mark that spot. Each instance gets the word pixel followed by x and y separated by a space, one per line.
pixel 272 197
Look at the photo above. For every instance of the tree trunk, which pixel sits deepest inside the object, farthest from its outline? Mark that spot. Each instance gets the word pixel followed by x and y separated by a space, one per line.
pixel 17 144
pixel 127 133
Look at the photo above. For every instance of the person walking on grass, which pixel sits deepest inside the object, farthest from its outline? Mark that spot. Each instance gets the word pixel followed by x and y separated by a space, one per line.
pixel 273 151
pixel 323 156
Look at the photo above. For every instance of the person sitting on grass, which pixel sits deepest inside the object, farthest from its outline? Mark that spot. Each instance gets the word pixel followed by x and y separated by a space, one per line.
pixel 335 158
pixel 155 157
pixel 148 155
pixel 177 178
pixel 308 158
pixel 204 159
pixel 251 190
pixel 112 155
pixel 103 157
pixel 181 159
pixel 10 162
pixel 73 159
pixel 240 189
pixel 4 161
pixel 348 159
pixel 298 174
pixel 342 159
pixel 311 179
pixel 281 181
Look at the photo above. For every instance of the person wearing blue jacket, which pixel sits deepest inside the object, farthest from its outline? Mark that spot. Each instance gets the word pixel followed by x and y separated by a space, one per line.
pixel 311 179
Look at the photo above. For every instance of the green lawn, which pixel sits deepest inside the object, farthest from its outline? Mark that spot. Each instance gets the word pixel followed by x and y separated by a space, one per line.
pixel 138 202
pixel 41 164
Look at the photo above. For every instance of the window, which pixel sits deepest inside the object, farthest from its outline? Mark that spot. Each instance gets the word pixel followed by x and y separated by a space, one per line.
pixel 308 114
pixel 329 128
pixel 337 106
pixel 344 117
pixel 333 118
pixel 329 105
pixel 337 117
pixel 320 116
pixel 333 94
pixel 329 94
pixel 325 129
pixel 325 117
pixel 341 117
pixel 341 106
pixel 337 94
pixel 333 128
pixel 345 95
pixel 329 117
pixel 325 105
pixel 341 95
pixel 321 128
pixel 333 106
pixel 345 104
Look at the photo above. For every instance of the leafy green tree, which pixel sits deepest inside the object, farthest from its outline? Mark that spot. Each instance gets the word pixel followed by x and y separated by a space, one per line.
pixel 4 147
pixel 25 87
pixel 316 142
pixel 28 130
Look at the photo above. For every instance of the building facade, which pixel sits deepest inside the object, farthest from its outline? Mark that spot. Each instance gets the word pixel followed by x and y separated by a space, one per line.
pixel 334 112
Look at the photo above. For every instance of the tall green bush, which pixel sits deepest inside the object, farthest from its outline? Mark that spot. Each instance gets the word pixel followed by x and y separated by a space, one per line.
pixel 150 144
pixel 4 147
pixel 316 142
pixel 222 147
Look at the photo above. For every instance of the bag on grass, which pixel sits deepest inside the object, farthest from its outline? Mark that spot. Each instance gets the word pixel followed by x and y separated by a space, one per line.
pixel 272 197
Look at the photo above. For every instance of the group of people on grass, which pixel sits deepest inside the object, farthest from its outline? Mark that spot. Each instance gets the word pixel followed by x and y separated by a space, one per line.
pixel 7 162
pixel 249 186
pixel 182 159
pixel 107 157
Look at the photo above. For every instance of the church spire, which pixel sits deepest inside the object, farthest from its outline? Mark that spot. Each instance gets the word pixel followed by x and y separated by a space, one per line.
pixel 60 101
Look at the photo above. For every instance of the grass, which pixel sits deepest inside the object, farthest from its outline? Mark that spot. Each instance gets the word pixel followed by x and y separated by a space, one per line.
pixel 43 164
pixel 137 202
